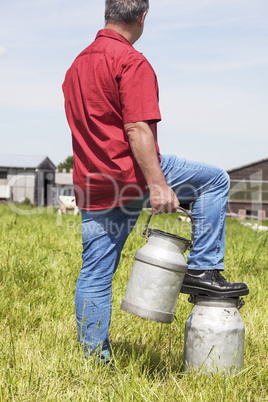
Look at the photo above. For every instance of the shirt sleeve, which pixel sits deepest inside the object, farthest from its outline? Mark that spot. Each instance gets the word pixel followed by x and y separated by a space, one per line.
pixel 138 91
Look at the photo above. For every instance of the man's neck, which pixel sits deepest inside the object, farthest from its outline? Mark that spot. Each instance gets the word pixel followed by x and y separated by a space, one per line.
pixel 128 31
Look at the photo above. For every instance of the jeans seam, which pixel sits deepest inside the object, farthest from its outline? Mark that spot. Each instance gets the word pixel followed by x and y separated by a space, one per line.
pixel 220 231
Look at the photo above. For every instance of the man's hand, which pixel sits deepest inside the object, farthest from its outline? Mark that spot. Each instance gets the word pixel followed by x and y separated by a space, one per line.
pixel 163 199
pixel 142 144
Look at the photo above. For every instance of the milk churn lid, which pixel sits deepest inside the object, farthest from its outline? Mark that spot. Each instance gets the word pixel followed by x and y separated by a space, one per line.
pixel 170 236
pixel 147 231
pixel 217 301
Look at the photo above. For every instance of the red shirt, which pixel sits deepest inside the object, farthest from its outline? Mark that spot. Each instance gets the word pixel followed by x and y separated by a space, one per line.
pixel 108 85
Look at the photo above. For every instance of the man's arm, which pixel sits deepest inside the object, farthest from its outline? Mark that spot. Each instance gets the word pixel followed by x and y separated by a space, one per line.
pixel 141 140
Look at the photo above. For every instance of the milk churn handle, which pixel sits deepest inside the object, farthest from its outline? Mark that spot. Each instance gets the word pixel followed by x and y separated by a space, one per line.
pixel 178 208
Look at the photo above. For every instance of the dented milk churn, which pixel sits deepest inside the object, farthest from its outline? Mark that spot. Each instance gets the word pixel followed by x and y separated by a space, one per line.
pixel 214 335
pixel 157 275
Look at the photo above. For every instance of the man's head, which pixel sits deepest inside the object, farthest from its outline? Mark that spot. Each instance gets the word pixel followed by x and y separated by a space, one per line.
pixel 125 11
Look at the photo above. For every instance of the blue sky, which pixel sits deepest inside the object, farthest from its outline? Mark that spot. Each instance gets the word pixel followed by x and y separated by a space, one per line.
pixel 210 56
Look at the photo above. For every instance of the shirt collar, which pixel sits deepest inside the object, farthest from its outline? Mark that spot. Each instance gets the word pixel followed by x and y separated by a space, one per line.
pixel 110 33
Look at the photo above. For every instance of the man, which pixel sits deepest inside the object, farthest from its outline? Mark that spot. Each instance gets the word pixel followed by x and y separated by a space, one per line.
pixel 111 102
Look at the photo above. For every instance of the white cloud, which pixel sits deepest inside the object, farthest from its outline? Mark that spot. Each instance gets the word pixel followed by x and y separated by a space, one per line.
pixel 2 51
pixel 30 96
pixel 215 111
pixel 226 127
pixel 223 66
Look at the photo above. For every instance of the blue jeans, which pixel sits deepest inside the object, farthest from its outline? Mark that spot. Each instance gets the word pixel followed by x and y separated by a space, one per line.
pixel 104 233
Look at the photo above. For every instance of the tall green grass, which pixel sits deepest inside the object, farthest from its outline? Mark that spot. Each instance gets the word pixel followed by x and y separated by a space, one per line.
pixel 39 355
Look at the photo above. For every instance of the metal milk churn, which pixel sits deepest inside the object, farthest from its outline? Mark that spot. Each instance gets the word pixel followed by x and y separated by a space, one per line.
pixel 157 275
pixel 214 335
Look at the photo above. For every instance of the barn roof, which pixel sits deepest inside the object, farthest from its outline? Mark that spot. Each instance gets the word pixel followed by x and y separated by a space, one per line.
pixel 25 161
pixel 248 165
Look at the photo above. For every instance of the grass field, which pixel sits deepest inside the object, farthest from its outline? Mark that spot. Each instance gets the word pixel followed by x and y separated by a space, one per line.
pixel 39 356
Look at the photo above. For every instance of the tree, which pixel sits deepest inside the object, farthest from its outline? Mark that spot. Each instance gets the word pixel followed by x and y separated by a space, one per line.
pixel 66 164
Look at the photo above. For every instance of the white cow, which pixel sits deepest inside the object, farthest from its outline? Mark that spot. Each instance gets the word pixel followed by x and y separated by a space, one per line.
pixel 184 219
pixel 254 226
pixel 67 203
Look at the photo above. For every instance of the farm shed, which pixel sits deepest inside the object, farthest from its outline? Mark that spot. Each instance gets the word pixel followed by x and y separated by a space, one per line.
pixel 249 190
pixel 27 177
pixel 63 184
